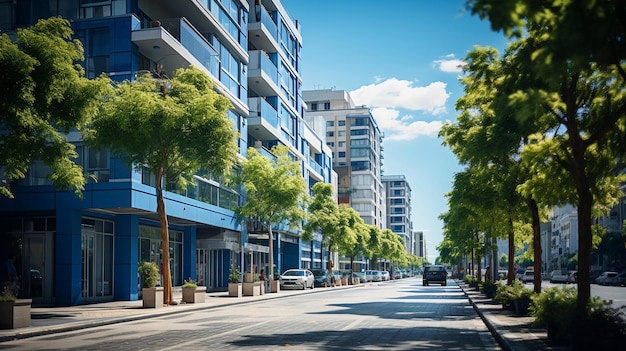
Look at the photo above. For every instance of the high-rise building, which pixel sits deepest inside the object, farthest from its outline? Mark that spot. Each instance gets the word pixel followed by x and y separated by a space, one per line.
pixel 88 250
pixel 398 195
pixel 356 143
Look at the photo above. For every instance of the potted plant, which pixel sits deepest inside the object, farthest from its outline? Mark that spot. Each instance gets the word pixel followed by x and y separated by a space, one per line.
pixel 151 294
pixel 14 312
pixel 234 282
pixel 192 292
pixel 252 288
pixel 275 284
pixel 555 308
pixel 516 297
pixel 489 288
pixel 471 281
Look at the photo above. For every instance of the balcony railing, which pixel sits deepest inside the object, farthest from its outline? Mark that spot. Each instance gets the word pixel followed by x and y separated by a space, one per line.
pixel 194 42
pixel 259 60
pixel 259 107
pixel 266 21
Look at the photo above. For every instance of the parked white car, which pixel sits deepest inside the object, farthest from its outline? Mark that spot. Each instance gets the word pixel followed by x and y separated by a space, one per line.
pixel 373 276
pixel 297 279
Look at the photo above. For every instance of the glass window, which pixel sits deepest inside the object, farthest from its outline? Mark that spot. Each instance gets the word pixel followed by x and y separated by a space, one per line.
pixel 330 134
pixel 327 106
pixel 341 133
pixel 314 106
pixel 356 132
pixel 342 154
pixel 360 165
pixel 342 123
pixel 330 123
pixel 341 144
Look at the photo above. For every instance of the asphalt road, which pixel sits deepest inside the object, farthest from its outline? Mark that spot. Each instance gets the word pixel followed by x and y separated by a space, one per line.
pixel 400 315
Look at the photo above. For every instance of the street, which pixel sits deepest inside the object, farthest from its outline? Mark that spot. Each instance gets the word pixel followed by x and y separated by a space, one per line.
pixel 397 315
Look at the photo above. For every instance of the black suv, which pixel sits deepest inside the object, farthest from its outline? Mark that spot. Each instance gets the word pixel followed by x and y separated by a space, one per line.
pixel 435 273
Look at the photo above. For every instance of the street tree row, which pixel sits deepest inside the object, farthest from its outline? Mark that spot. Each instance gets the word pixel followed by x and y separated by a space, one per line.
pixel 542 124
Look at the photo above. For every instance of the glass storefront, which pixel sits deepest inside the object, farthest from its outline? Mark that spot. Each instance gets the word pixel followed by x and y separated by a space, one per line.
pixel 150 250
pixel 97 259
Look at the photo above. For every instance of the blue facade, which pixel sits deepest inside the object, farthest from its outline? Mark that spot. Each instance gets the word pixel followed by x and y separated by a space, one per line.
pixel 88 250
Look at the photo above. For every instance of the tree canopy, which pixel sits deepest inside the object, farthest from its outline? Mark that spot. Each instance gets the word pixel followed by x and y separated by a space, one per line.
pixel 176 127
pixel 44 96
pixel 275 191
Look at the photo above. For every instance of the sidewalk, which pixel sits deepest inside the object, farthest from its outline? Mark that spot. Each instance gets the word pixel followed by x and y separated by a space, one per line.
pixel 513 333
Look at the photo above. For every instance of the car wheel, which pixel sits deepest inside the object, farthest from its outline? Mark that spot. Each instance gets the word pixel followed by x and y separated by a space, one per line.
pixel 312 286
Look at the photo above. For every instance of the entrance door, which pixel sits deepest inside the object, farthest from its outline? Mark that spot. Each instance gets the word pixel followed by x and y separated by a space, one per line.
pixel 215 277
pixel 201 266
pixel 36 282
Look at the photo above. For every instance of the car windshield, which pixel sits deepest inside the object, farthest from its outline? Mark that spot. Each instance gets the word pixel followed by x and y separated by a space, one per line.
pixel 319 273
pixel 293 273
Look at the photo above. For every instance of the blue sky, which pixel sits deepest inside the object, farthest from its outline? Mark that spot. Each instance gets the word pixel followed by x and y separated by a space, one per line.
pixel 401 58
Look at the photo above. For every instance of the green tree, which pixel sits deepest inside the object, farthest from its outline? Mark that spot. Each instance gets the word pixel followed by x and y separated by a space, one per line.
pixel 275 191
pixel 354 234
pixel 44 96
pixel 176 127
pixel 323 217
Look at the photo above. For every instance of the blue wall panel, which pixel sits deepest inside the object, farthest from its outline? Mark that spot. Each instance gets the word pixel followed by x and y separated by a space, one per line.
pixel 126 257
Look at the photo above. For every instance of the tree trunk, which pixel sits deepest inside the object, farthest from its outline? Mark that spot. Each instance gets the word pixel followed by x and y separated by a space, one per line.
pixel 165 240
pixel 511 274
pixel 534 211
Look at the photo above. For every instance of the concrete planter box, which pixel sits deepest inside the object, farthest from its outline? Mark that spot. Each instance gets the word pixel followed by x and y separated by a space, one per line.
pixel 252 289
pixel 15 314
pixel 344 281
pixel 235 290
pixel 152 297
pixel 274 286
pixel 194 295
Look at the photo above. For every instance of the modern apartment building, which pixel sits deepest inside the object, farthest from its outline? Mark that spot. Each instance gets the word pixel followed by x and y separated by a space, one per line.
pixel 87 250
pixel 356 143
pixel 398 195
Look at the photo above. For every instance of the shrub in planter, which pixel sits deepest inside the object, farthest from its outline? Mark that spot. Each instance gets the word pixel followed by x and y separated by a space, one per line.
pixel 555 308
pixel 514 295
pixel 149 273
pixel 471 281
pixel 489 288
pixel 192 293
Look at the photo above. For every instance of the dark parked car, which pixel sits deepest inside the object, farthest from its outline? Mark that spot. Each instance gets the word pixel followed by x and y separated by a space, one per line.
pixel 322 277
pixel 619 280
pixel 606 278
pixel 435 274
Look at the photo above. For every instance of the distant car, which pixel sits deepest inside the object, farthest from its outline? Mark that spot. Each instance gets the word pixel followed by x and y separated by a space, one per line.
pixel 519 273
pixel 606 278
pixel 322 277
pixel 398 275
pixel 297 279
pixel 435 274
pixel 572 277
pixel 386 276
pixel 558 277
pixel 528 277
pixel 619 280
pixel 361 276
pixel 373 276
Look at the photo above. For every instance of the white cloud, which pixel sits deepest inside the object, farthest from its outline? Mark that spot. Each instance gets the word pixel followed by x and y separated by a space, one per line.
pixel 402 94
pixel 403 128
pixel 451 65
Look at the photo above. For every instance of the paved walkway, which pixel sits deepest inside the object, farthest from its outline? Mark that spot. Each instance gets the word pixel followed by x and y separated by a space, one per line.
pixel 513 333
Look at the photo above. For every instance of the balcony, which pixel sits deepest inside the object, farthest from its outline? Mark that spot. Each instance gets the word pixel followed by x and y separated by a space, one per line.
pixel 316 167
pixel 263 32
pixel 262 74
pixel 174 43
pixel 263 122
